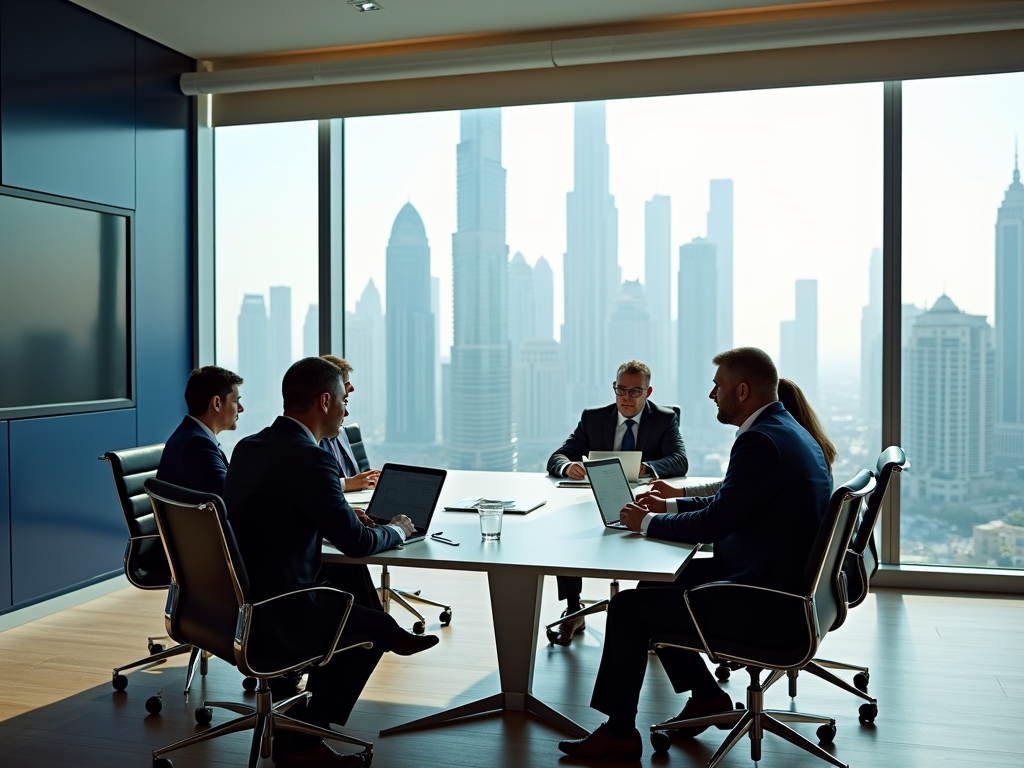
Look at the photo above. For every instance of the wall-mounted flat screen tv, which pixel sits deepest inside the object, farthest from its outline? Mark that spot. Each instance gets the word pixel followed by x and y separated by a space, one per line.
pixel 64 308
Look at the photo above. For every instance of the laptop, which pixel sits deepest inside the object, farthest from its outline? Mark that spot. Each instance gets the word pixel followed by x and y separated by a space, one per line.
pixel 611 490
pixel 509 506
pixel 630 461
pixel 409 491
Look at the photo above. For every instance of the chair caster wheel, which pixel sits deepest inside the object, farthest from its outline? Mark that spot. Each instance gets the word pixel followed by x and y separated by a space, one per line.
pixel 723 673
pixel 740 705
pixel 826 734
pixel 156 647
pixel 154 704
pixel 162 762
pixel 868 713
pixel 204 715
pixel 860 681
pixel 446 617
pixel 419 627
pixel 120 682
pixel 249 684
pixel 367 759
pixel 661 741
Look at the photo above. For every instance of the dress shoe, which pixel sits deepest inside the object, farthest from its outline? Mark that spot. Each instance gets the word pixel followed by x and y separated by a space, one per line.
pixel 694 708
pixel 286 686
pixel 314 755
pixel 601 743
pixel 568 629
pixel 407 643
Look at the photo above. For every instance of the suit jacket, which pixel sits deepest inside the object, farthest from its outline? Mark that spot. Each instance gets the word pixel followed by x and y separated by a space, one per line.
pixel 192 460
pixel 284 497
pixel 765 517
pixel 658 439
pixel 337 446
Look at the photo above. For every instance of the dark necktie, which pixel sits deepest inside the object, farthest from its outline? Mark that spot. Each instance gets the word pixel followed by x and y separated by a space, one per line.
pixel 628 439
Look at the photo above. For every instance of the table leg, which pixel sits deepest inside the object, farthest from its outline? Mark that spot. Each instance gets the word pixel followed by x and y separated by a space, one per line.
pixel 515 610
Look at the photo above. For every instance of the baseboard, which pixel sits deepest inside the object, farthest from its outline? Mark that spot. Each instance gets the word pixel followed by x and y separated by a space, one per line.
pixel 77 595
pixel 949 579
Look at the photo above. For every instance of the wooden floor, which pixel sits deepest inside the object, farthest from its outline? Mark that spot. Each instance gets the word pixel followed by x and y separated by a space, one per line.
pixel 948 672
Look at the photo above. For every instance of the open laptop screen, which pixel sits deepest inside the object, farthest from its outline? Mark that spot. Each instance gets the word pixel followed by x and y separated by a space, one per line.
pixel 611 490
pixel 411 491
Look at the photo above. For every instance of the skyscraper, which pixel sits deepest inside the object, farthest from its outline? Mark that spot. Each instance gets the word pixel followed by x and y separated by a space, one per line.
pixel 522 312
pixel 1009 318
pixel 539 405
pixel 410 332
pixel 480 405
pixel 698 330
pixel 311 332
pixel 798 348
pixel 372 406
pixel 720 233
pixel 658 284
pixel 629 330
pixel 591 267
pixel 949 409
pixel 544 299
pixel 280 331
pixel 253 358
pixel 871 346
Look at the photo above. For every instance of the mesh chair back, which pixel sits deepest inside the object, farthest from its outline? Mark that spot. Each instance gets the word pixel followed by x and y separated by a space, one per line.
pixel 145 564
pixel 891 460
pixel 355 439
pixel 209 583
pixel 823 577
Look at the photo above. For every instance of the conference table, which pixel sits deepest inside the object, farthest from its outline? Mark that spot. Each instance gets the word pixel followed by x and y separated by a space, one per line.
pixel 565 537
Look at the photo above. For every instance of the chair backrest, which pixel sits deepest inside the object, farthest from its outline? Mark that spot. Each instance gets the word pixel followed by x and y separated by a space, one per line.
pixel 355 439
pixel 145 564
pixel 209 583
pixel 823 575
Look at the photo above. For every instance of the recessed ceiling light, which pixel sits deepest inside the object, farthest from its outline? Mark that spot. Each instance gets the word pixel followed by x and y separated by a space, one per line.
pixel 365 5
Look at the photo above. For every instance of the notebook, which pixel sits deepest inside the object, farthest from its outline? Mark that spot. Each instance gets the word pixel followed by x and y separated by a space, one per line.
pixel 510 506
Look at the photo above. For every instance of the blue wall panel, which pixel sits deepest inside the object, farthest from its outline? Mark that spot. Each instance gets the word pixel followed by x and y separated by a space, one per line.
pixel 163 240
pixel 67 102
pixel 66 523
pixel 5 522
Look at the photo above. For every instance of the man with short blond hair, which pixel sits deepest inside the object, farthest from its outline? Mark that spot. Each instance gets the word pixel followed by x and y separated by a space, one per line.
pixel 340 447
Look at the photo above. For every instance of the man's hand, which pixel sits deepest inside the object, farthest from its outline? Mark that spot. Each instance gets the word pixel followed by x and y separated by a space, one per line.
pixel 363 518
pixel 632 515
pixel 644 470
pixel 652 503
pixel 658 488
pixel 363 480
pixel 576 471
pixel 404 523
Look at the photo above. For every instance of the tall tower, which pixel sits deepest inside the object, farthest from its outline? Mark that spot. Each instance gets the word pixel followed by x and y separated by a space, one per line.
pixel 311 332
pixel 479 410
pixel 798 350
pixel 720 233
pixel 253 358
pixel 410 332
pixel 280 331
pixel 522 314
pixel 544 299
pixel 658 284
pixel 629 331
pixel 365 349
pixel 591 261
pixel 871 349
pixel 698 330
pixel 1010 303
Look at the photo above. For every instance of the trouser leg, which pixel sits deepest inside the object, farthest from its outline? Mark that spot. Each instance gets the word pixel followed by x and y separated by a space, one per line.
pixel 354 578
pixel 569 588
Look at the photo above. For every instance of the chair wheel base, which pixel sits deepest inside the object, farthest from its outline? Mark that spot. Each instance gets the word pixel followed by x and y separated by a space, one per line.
pixel 419 627
pixel 162 762
pixel 723 673
pixel 156 647
pixel 154 704
pixel 120 682
pixel 250 684
pixel 868 713
pixel 860 681
pixel 660 741
pixel 826 733
pixel 446 618
pixel 204 715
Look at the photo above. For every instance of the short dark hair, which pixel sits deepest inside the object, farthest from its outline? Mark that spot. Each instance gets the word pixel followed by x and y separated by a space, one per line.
pixel 750 365
pixel 634 367
pixel 206 383
pixel 306 380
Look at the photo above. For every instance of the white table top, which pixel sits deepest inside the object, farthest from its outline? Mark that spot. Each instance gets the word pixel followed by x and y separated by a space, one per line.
pixel 566 536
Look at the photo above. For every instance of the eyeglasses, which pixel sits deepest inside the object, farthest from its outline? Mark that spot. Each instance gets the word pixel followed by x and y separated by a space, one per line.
pixel 634 392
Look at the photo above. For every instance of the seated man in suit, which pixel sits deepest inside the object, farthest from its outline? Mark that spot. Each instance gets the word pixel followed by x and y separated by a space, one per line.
pixel 192 457
pixel 284 497
pixel 763 522
pixel 339 446
pixel 631 423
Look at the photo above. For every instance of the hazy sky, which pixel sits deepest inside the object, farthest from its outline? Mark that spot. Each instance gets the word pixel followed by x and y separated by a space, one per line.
pixel 806 165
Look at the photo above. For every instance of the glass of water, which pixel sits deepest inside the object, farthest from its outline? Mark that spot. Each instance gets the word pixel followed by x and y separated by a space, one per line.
pixel 490 519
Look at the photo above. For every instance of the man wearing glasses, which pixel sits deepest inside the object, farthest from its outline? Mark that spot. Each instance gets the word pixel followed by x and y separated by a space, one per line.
pixel 631 423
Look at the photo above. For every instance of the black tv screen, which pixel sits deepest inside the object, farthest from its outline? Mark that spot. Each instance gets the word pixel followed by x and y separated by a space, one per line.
pixel 64 301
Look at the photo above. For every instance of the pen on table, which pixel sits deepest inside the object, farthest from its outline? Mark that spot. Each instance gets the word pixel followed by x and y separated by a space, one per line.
pixel 437 537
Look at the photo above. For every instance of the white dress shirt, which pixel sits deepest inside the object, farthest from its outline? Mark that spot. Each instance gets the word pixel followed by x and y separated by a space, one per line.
pixel 206 429
pixel 620 429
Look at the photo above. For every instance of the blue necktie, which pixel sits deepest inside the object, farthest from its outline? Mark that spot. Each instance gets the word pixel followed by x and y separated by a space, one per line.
pixel 628 440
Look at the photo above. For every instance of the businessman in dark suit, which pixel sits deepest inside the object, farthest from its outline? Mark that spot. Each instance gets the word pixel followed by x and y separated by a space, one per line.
pixel 192 457
pixel 631 423
pixel 284 497
pixel 763 522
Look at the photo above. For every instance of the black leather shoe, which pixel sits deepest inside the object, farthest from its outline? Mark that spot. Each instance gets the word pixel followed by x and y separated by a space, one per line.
pixel 407 643
pixel 568 629
pixel 696 708
pixel 601 744
pixel 315 755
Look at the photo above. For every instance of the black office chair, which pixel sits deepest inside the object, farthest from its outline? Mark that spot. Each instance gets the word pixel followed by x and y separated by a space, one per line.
pixel 385 591
pixel 208 605
pixel 145 564
pixel 859 566
pixel 819 607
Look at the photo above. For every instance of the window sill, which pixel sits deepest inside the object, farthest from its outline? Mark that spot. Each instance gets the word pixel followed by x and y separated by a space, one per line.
pixel 953 578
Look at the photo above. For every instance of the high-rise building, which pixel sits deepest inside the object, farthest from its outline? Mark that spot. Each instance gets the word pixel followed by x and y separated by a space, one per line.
pixel 798 348
pixel 544 299
pixel 871 349
pixel 949 407
pixel 253 348
pixel 435 307
pixel 311 332
pixel 539 405
pixel 720 233
pixel 522 310
pixel 479 410
pixel 371 407
pixel 410 332
pixel 591 266
pixel 629 330
pixel 698 330
pixel 280 331
pixel 1009 318
pixel 658 285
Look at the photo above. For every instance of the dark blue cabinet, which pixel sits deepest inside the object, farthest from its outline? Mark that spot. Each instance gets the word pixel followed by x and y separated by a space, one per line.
pixel 5 522
pixel 66 523
pixel 67 102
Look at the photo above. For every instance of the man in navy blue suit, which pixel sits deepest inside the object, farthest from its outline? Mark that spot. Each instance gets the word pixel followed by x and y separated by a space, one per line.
pixel 192 457
pixel 763 522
